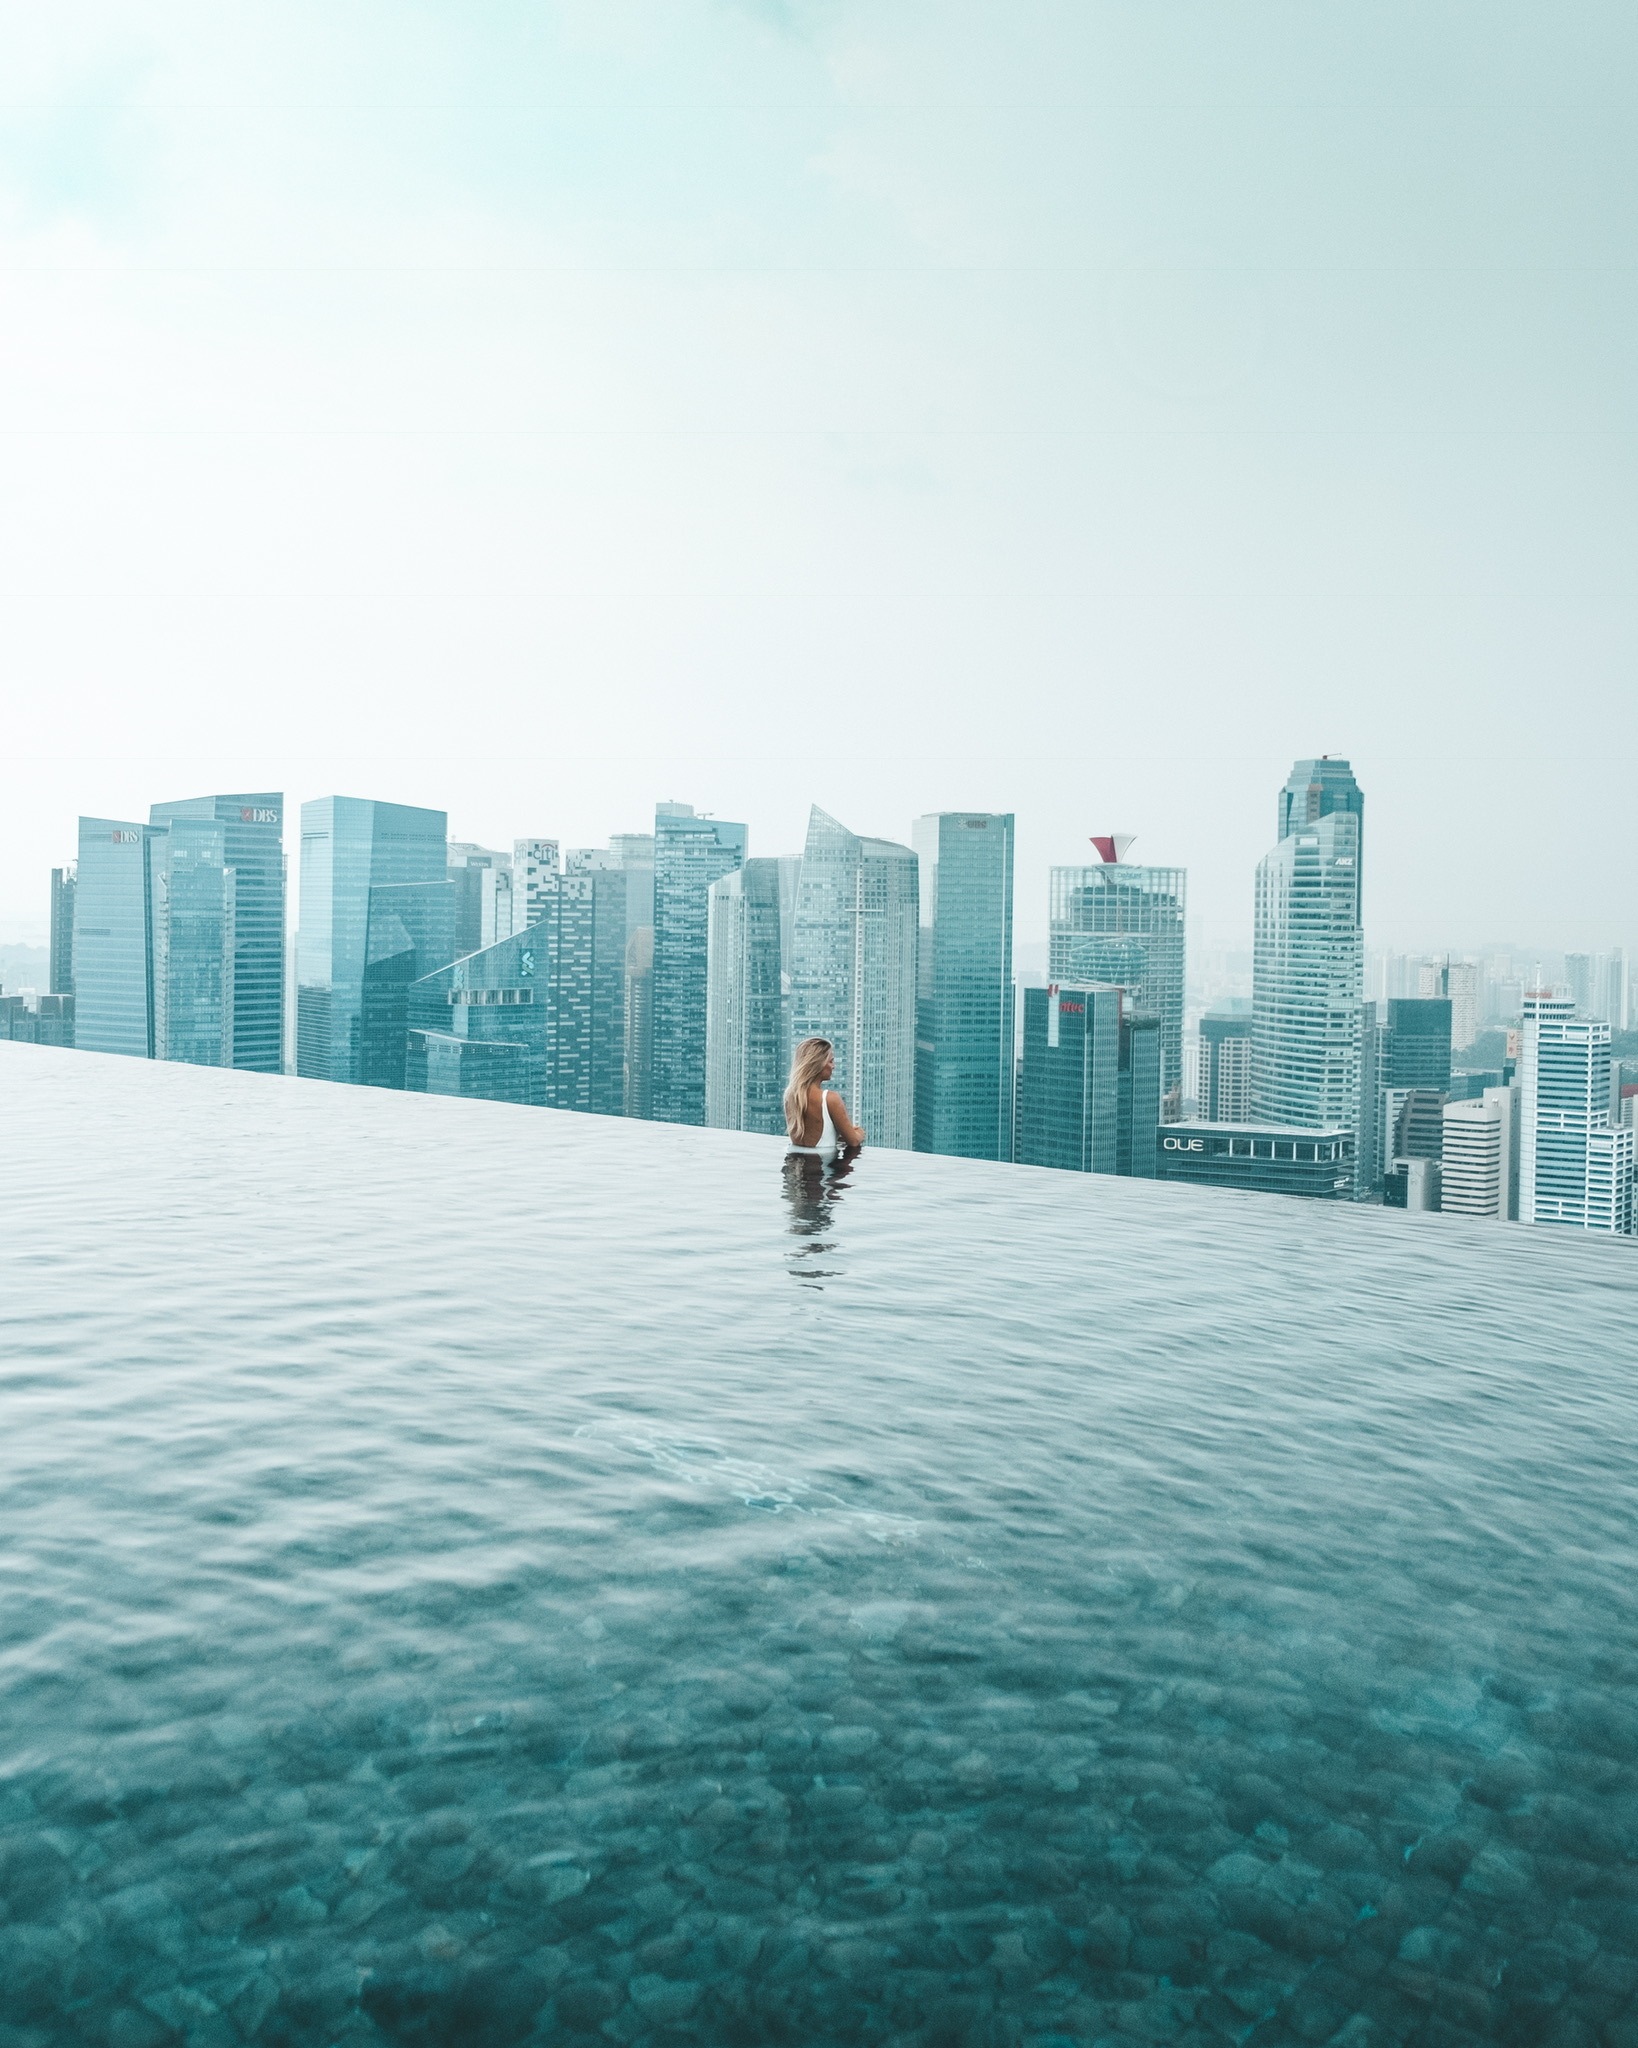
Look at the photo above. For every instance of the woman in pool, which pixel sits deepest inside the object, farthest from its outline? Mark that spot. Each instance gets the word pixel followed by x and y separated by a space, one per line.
pixel 816 1116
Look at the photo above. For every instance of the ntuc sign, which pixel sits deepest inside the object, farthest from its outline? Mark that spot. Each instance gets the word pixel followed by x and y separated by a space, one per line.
pixel 258 815
pixel 1183 1144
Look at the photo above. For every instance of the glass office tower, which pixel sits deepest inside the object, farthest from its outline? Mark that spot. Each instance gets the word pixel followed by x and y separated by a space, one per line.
pixel 1123 923
pixel 482 1025
pixel 61 982
pixel 748 1003
pixel 854 971
pixel 1068 1112
pixel 113 938
pixel 690 853
pixel 1322 789
pixel 194 912
pixel 377 913
pixel 244 833
pixel 1405 1050
pixel 964 989
pixel 1308 957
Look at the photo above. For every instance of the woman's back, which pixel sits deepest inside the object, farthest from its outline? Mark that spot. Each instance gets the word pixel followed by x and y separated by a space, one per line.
pixel 818 1130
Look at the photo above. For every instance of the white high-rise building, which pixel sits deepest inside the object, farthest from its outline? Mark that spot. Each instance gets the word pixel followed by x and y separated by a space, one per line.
pixel 1575 1163
pixel 854 971
pixel 1480 1159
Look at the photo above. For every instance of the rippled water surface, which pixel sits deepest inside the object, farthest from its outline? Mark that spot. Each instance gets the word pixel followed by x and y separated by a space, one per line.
pixel 475 1575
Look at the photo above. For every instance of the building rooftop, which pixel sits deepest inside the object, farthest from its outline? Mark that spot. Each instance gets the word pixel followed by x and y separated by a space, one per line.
pixel 480 1575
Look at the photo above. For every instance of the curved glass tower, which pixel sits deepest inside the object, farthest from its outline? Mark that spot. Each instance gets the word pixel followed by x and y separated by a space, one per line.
pixel 1308 965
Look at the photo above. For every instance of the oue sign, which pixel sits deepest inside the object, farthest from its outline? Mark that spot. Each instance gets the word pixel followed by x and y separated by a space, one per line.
pixel 1183 1144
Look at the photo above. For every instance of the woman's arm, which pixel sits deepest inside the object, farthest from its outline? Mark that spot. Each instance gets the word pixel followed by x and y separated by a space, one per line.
pixel 846 1129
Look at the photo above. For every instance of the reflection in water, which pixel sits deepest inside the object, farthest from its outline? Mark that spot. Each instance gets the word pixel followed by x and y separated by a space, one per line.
pixel 813 1187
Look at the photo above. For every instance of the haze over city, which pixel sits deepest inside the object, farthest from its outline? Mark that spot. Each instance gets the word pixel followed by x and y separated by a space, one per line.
pixel 1075 411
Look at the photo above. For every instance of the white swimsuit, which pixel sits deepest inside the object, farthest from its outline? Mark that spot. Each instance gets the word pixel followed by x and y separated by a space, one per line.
pixel 828 1145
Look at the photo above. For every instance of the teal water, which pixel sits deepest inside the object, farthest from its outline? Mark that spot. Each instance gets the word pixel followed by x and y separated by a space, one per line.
pixel 477 1575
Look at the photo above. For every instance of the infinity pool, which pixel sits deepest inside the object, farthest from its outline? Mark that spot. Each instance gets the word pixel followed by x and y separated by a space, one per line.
pixel 478 1575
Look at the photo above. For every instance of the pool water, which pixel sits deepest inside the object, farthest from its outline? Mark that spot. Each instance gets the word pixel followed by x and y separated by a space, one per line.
pixel 480 1575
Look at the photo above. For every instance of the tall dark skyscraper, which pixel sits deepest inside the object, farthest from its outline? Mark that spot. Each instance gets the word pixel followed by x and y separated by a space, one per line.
pixel 964 999
pixel 1068 1112
pixel 377 913
pixel 62 931
pixel 689 854
pixel 243 835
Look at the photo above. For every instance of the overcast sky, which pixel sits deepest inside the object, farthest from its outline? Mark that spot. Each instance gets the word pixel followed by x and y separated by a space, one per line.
pixel 536 410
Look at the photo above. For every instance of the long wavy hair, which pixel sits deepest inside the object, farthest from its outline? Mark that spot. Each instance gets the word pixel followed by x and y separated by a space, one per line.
pixel 807 1064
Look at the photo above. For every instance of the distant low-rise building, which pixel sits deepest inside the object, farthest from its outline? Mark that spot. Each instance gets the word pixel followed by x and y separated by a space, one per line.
pixel 1274 1159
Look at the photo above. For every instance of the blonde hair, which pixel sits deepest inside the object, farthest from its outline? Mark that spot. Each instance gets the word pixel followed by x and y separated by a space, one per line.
pixel 807 1064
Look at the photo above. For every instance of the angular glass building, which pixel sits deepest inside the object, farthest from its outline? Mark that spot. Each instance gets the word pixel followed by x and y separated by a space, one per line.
pixel 242 834
pixel 748 1002
pixel 377 913
pixel 1308 957
pixel 854 971
pixel 482 1025
pixel 690 853
pixel 553 993
pixel 1123 923
pixel 1405 1051
pixel 964 986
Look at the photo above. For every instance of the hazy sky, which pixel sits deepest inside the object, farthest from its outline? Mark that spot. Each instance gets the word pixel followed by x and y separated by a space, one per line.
pixel 535 410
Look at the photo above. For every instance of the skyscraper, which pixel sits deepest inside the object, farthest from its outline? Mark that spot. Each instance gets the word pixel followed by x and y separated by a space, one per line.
pixel 632 855
pixel 1575 1162
pixel 584 931
pixel 243 834
pixel 1405 1076
pixel 1462 983
pixel 194 904
pixel 1480 1156
pixel 1613 986
pixel 534 868
pixel 1068 1112
pixel 482 1025
pixel 113 938
pixel 377 913
pixel 1225 1067
pixel 689 854
pixel 61 981
pixel 1307 968
pixel 1125 923
pixel 1323 789
pixel 854 971
pixel 748 1006
pixel 482 879
pixel 964 995
pixel 1579 975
